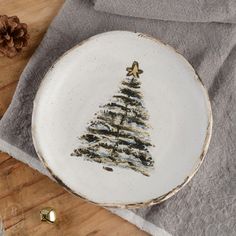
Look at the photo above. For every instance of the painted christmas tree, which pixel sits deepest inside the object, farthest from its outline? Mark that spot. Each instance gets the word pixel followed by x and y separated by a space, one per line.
pixel 118 134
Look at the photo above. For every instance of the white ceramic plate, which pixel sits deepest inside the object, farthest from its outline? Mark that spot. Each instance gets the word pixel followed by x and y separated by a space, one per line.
pixel 122 120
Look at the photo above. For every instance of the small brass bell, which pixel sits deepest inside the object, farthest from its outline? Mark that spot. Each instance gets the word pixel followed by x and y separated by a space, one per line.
pixel 48 214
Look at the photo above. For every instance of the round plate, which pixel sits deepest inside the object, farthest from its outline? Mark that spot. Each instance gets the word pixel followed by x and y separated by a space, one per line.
pixel 122 120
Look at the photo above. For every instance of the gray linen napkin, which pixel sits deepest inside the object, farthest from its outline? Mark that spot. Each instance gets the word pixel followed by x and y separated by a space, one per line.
pixel 207 205
pixel 181 10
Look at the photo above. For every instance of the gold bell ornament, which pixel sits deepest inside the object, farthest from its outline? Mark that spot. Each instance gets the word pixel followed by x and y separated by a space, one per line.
pixel 48 214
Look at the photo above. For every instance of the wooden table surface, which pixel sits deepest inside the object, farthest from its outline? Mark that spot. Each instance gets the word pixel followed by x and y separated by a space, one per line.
pixel 24 191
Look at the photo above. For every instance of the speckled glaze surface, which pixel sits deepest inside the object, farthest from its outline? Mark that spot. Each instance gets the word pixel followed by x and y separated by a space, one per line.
pixel 122 120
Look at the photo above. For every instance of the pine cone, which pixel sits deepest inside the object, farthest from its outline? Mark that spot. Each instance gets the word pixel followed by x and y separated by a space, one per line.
pixel 13 36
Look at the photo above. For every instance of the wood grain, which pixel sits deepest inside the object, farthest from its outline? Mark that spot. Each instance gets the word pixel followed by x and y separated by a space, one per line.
pixel 24 191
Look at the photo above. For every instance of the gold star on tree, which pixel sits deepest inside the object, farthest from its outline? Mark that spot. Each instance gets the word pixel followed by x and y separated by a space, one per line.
pixel 134 70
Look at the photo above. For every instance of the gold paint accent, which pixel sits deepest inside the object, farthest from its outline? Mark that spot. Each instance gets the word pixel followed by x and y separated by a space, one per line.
pixel 134 70
pixel 164 197
pixel 48 214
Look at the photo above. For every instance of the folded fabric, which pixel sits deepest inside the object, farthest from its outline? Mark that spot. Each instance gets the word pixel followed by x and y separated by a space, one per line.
pixel 207 205
pixel 181 10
